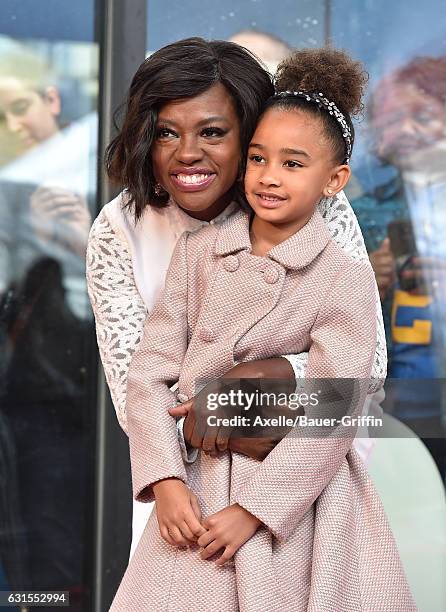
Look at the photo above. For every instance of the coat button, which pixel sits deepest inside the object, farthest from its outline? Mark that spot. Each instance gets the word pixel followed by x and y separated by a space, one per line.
pixel 182 397
pixel 231 263
pixel 206 334
pixel 271 276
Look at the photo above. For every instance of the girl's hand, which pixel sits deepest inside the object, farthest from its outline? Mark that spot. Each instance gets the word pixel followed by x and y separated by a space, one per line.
pixel 227 529
pixel 178 512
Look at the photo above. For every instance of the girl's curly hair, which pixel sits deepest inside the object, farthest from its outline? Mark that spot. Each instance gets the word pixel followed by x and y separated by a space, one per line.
pixel 331 72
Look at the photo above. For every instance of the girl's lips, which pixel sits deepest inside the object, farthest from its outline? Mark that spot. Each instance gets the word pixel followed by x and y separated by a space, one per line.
pixel 269 201
pixel 192 182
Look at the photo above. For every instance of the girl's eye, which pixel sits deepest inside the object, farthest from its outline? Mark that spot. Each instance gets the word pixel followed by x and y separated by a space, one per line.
pixel 212 132
pixel 256 158
pixel 164 132
pixel 293 164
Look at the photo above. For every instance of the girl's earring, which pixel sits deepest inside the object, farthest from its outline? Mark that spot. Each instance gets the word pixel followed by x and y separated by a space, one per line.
pixel 330 191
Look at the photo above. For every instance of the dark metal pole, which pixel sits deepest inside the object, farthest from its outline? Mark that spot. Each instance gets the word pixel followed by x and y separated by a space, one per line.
pixel 121 28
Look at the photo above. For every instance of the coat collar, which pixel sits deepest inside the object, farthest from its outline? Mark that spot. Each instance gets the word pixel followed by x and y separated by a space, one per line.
pixel 296 252
pixel 190 223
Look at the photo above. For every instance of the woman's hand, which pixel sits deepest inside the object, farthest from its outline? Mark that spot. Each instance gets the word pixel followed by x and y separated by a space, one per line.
pixel 178 512
pixel 215 440
pixel 227 529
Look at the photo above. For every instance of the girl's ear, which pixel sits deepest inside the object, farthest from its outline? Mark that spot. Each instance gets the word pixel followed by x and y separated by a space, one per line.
pixel 338 180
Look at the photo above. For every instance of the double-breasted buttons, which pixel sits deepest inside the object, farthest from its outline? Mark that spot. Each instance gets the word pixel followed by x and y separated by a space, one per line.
pixel 182 397
pixel 231 263
pixel 271 276
pixel 206 334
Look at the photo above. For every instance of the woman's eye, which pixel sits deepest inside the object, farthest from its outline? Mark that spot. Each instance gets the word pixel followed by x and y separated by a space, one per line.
pixel 164 133
pixel 256 159
pixel 213 131
pixel 293 164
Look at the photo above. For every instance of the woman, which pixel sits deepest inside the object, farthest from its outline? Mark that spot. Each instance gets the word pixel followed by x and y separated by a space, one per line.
pixel 191 111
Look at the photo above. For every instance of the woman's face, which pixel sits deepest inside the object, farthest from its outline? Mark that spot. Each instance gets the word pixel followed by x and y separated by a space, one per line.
pixel 28 114
pixel 196 151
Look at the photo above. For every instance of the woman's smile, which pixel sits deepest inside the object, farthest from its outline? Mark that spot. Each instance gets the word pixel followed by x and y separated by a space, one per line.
pixel 192 179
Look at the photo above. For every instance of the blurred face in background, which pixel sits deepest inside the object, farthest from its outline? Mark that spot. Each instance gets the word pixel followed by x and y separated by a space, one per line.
pixel 31 115
pixel 409 126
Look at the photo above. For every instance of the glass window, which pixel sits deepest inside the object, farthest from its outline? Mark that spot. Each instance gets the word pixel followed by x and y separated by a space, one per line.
pixel 256 24
pixel 48 170
pixel 399 191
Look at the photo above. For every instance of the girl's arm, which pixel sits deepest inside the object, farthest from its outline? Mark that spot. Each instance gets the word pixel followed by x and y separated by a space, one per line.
pixel 157 464
pixel 343 346
pixel 154 449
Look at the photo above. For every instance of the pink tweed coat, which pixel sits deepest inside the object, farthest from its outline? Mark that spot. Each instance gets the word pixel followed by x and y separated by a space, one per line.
pixel 325 544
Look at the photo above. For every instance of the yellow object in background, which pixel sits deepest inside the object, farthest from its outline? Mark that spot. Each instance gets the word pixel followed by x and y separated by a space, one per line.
pixel 420 330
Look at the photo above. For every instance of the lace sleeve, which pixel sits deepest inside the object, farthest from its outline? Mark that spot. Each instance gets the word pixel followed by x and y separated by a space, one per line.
pixel 344 228
pixel 119 310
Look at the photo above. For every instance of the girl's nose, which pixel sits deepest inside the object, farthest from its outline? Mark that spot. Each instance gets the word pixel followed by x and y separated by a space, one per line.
pixel 270 179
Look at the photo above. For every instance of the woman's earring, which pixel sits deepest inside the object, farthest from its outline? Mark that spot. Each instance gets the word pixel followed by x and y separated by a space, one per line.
pixel 330 191
pixel 158 189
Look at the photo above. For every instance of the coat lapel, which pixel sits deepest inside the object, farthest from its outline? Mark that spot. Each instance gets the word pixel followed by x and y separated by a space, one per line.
pixel 295 253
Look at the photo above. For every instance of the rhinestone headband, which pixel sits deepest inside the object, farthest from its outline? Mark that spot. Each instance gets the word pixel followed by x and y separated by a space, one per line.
pixel 330 107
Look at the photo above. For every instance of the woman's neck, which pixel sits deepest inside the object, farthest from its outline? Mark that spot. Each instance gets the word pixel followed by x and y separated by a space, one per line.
pixel 212 211
pixel 265 235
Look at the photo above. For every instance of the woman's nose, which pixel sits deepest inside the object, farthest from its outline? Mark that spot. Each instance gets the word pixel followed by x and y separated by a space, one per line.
pixel 188 151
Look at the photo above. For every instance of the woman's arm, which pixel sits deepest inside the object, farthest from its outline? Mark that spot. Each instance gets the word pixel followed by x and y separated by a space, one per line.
pixel 344 228
pixel 118 307
pixel 343 346
pixel 120 314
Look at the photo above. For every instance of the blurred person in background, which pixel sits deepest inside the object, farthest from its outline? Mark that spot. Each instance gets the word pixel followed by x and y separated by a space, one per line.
pixel 404 224
pixel 44 319
pixel 270 49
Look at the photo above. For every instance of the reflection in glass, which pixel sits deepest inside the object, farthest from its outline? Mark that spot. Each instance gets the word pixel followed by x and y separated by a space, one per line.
pixel 47 183
pixel 404 225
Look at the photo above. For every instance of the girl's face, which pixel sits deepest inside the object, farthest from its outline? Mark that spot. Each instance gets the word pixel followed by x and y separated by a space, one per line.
pixel 196 152
pixel 290 167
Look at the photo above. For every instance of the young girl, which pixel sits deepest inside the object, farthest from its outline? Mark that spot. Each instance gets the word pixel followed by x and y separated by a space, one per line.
pixel 305 527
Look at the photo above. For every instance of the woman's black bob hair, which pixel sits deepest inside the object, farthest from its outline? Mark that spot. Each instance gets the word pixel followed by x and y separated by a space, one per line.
pixel 183 69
